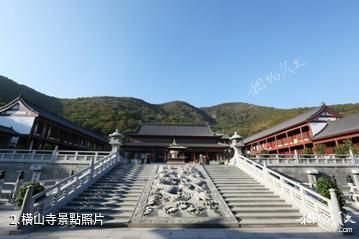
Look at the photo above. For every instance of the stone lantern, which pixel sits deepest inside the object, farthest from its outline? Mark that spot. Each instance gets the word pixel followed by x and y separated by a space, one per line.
pixel 237 142
pixel 116 141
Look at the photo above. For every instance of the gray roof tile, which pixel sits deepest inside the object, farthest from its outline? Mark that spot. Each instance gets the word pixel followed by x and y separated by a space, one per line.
pixel 148 129
pixel 286 124
pixel 341 126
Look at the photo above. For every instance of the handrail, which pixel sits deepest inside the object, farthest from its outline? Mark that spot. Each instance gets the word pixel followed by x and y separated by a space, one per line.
pixel 52 155
pixel 322 210
pixel 305 159
pixel 56 196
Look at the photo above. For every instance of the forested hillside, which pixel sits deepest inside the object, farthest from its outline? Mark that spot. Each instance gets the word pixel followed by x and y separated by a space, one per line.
pixel 104 114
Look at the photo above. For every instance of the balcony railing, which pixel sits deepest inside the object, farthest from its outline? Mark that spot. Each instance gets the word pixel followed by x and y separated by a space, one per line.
pixel 305 159
pixel 52 155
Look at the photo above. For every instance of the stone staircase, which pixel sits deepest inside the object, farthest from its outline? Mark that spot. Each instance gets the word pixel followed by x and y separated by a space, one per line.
pixel 115 195
pixel 251 203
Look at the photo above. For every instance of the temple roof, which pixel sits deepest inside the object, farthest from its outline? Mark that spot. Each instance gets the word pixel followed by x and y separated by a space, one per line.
pixel 8 130
pixel 55 118
pixel 302 118
pixel 165 145
pixel 341 126
pixel 149 129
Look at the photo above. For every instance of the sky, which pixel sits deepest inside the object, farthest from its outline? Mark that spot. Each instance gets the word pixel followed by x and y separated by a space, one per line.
pixel 276 53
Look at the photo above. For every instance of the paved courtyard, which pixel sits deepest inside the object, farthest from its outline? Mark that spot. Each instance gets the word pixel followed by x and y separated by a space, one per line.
pixel 154 233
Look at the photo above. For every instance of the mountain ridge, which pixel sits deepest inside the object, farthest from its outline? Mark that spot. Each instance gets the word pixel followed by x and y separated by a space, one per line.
pixel 105 113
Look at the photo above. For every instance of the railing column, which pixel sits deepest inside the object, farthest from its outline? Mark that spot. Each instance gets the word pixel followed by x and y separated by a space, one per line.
pixel 26 204
pixel 2 179
pixel 18 184
pixel 92 168
pixel 296 156
pixel 352 156
pixel 335 209
pixel 277 158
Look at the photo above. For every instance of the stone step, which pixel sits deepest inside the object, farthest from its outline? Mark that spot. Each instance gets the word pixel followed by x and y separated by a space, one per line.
pixel 123 206
pixel 224 191
pixel 94 190
pixel 238 195
pixel 254 199
pixel 282 208
pixel 110 195
pixel 120 181
pixel 117 187
pixel 103 210
pixel 285 222
pixel 269 215
pixel 237 182
pixel 122 199
pixel 257 204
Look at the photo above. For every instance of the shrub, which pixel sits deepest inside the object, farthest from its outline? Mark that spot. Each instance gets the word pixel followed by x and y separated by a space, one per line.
pixel 21 194
pixel 323 186
pixel 48 147
pixel 307 151
pixel 320 149
pixel 344 148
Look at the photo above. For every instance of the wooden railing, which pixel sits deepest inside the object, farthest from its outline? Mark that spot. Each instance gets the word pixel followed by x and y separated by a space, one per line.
pixel 322 210
pixel 53 198
pixel 67 155
pixel 305 159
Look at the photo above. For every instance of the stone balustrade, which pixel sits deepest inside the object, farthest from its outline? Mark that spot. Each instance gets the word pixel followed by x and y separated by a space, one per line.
pixel 323 211
pixel 306 159
pixel 8 155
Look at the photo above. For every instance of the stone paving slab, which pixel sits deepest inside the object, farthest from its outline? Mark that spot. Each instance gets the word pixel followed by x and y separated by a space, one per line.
pixel 153 233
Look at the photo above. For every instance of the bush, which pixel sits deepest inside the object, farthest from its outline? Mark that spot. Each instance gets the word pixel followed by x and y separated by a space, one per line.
pixel 307 151
pixel 344 148
pixel 323 186
pixel 320 149
pixel 48 147
pixel 21 194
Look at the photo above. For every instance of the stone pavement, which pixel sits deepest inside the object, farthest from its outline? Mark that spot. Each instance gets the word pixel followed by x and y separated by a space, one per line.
pixel 157 233
pixel 135 233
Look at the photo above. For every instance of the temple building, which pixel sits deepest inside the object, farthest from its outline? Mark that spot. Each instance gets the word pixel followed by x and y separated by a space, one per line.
pixel 338 131
pixel 292 134
pixel 316 126
pixel 25 125
pixel 175 143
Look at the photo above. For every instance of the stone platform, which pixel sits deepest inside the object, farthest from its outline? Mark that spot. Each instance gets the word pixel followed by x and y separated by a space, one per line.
pixel 181 196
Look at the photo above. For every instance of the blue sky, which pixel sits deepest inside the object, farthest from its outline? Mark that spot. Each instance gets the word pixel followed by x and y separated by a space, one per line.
pixel 275 53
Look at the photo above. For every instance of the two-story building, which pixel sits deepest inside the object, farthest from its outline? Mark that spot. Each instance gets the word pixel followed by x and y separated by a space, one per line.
pixel 28 126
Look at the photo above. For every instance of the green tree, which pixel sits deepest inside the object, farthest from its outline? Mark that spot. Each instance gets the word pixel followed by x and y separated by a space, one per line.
pixel 21 194
pixel 320 149
pixel 324 184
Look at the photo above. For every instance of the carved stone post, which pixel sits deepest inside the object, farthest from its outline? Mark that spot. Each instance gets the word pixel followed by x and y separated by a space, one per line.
pixel 337 218
pixel 2 179
pixel 92 168
pixel 296 157
pixel 26 204
pixel 355 173
pixel 18 184
pixel 54 153
pixel 352 156
pixel 312 176
pixel 36 172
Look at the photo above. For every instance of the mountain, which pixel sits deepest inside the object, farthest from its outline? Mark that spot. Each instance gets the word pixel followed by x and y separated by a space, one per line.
pixel 104 114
